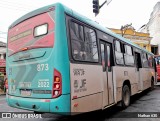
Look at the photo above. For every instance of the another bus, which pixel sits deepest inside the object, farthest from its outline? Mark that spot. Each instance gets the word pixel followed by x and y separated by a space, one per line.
pixel 157 60
pixel 59 61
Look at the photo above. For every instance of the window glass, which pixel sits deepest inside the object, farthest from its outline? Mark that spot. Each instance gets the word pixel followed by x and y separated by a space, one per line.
pixel 150 61
pixel 117 46
pixel 77 41
pixel 128 50
pixel 91 45
pixel 145 60
pixel 108 56
pixel 118 54
pixel 83 43
pixel 128 56
pixel 102 55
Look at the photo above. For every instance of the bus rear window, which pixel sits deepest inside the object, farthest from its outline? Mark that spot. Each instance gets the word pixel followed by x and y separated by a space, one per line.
pixel 35 32
pixel 41 30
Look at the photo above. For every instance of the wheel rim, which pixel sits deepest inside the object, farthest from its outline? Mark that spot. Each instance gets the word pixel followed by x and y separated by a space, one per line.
pixel 126 97
pixel 152 84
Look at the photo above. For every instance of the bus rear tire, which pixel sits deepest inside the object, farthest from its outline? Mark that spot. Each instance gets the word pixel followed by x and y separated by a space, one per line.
pixel 152 84
pixel 35 112
pixel 126 94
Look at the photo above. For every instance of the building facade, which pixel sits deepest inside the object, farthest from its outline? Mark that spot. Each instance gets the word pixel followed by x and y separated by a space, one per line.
pixel 153 27
pixel 2 65
pixel 139 38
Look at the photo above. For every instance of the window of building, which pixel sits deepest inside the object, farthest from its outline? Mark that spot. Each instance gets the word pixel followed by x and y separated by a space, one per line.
pixel 83 43
pixel 154 49
pixel 145 47
pixel 5 56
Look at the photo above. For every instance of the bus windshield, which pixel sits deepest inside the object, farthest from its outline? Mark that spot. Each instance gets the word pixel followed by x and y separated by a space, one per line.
pixel 35 32
pixel 157 59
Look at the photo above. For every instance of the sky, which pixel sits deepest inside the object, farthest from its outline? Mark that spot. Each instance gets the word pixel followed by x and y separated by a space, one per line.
pixel 118 13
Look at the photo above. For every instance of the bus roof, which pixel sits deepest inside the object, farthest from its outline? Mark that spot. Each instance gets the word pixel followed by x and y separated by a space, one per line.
pixel 79 17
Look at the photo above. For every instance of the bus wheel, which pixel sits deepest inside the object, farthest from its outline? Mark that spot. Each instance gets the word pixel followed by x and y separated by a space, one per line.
pixel 35 112
pixel 152 84
pixel 126 94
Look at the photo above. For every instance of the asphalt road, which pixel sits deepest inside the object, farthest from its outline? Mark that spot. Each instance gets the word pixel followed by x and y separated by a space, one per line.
pixel 144 104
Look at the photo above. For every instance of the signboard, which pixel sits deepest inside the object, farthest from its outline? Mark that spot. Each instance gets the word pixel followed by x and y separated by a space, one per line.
pixel 3 70
pixel 2 63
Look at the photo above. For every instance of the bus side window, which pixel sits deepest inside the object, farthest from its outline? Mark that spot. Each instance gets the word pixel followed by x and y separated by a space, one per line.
pixel 145 60
pixel 109 58
pixel 103 57
pixel 91 45
pixel 83 43
pixel 128 55
pixel 77 40
pixel 150 61
pixel 118 53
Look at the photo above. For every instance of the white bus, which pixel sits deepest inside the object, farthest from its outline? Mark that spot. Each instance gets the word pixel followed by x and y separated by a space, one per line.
pixel 70 63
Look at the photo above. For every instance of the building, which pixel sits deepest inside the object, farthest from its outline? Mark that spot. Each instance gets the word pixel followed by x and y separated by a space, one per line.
pixel 2 59
pixel 153 27
pixel 139 38
pixel 2 65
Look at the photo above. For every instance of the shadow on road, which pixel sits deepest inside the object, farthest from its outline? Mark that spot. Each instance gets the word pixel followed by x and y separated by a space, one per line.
pixel 100 115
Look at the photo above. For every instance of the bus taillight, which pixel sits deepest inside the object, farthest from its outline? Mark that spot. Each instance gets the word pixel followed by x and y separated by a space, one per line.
pixel 57 84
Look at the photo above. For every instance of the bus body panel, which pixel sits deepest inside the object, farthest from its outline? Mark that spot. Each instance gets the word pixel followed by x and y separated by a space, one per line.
pixel 146 77
pixel 158 72
pixel 86 87
pixel 121 74
pixel 32 70
pixel 41 105
pixel 31 58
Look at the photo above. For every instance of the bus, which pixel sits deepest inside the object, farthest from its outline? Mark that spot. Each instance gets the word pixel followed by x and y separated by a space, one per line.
pixel 59 61
pixel 157 60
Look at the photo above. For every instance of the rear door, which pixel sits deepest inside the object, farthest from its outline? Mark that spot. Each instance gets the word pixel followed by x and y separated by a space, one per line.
pixel 137 71
pixel 106 51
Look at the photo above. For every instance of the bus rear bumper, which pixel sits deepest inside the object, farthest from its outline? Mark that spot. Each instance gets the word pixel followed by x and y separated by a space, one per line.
pixel 60 105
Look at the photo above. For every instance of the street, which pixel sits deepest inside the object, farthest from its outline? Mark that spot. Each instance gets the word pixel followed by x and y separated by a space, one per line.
pixel 148 101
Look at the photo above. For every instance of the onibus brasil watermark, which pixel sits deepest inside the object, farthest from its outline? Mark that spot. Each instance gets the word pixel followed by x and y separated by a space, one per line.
pixel 20 115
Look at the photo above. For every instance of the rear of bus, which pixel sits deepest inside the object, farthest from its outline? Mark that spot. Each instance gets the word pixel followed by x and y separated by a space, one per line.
pixel 38 63
pixel 157 59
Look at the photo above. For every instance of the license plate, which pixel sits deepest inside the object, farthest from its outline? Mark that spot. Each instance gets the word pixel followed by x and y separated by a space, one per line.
pixel 26 92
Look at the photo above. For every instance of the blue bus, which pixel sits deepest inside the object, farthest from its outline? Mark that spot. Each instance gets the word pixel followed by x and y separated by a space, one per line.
pixel 59 61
